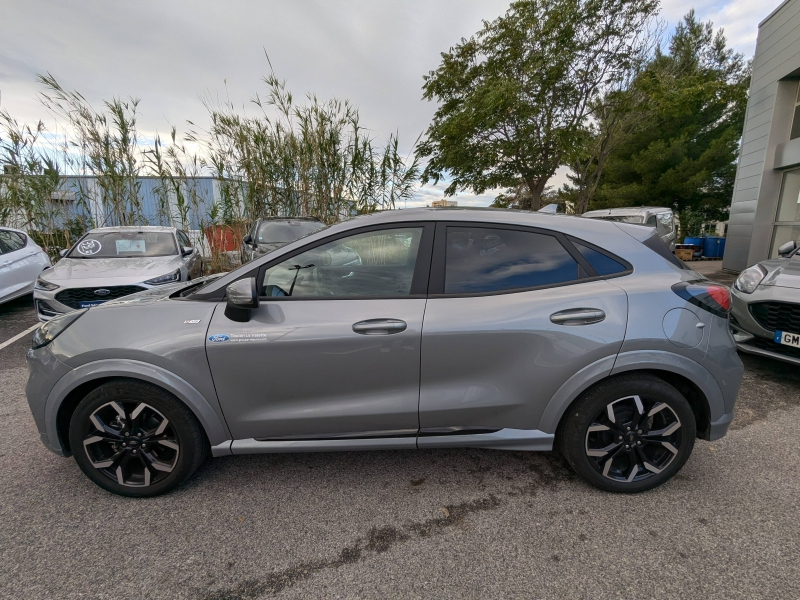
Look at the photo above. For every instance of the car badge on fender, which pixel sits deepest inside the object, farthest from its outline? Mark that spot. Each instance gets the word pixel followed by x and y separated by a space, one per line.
pixel 192 321
pixel 219 337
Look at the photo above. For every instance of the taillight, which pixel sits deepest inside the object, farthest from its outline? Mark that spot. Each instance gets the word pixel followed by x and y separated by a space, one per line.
pixel 713 297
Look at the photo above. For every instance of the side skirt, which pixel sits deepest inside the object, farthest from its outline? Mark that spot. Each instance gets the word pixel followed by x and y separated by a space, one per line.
pixel 504 439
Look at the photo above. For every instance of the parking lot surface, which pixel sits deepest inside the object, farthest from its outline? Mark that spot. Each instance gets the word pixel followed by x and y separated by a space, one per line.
pixel 446 524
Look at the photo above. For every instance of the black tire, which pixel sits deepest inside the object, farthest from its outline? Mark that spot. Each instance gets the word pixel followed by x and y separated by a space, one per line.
pixel 645 444
pixel 157 456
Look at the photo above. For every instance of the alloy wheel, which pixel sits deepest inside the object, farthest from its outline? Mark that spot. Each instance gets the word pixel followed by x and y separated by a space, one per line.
pixel 131 443
pixel 633 439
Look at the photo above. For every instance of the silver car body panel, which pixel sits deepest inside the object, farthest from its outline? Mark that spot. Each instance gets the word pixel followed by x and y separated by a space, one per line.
pixel 297 378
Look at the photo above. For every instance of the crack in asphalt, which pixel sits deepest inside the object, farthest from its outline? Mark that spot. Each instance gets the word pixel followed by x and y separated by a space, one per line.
pixel 377 541
pixel 545 470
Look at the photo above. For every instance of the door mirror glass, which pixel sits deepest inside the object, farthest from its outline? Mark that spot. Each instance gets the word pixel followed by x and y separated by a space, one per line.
pixel 373 264
pixel 787 248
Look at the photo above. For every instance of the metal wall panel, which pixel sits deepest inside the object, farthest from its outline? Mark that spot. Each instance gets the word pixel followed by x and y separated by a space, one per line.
pixel 767 125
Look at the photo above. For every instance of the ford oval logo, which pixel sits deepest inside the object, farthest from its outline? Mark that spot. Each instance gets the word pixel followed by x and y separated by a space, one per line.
pixel 102 292
pixel 219 337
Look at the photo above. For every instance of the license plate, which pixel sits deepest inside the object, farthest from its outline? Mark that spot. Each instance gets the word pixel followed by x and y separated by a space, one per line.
pixel 787 339
pixel 90 303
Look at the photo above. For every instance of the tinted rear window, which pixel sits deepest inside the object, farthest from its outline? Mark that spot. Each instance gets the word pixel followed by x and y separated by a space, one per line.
pixel 491 260
pixel 601 263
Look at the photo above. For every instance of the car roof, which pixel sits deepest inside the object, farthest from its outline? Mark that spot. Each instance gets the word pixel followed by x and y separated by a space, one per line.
pixel 153 228
pixel 626 211
pixel 310 219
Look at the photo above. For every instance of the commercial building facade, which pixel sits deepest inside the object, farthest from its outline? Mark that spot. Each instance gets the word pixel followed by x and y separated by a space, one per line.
pixel 765 209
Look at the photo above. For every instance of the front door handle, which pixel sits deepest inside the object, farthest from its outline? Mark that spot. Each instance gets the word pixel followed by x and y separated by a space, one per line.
pixel 578 316
pixel 379 326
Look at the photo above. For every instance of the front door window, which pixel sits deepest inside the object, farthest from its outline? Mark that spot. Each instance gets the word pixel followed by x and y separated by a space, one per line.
pixel 373 264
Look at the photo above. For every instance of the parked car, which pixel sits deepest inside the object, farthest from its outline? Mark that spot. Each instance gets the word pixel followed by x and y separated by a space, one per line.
pixel 21 262
pixel 661 218
pixel 267 235
pixel 405 329
pixel 765 314
pixel 112 262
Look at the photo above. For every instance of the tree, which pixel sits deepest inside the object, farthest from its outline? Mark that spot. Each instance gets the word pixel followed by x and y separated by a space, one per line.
pixel 683 152
pixel 514 98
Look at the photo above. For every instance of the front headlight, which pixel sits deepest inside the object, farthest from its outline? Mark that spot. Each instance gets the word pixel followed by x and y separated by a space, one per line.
pixel 53 328
pixel 164 279
pixel 748 280
pixel 41 284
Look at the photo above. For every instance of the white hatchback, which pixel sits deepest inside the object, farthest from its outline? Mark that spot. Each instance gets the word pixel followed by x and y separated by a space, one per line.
pixel 21 262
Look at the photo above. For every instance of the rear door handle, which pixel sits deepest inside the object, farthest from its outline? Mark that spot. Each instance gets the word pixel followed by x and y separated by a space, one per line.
pixel 379 326
pixel 578 316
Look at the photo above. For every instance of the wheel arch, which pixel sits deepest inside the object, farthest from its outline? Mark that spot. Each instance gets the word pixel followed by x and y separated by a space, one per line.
pixel 73 387
pixel 690 378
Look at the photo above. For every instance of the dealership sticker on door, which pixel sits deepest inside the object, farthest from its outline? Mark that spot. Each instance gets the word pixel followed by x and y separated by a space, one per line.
pixel 238 337
pixel 787 339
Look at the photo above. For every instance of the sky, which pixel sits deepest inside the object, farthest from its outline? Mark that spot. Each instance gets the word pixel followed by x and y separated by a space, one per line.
pixel 172 53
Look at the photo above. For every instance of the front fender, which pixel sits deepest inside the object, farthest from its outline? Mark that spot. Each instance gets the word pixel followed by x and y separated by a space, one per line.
pixel 213 423
pixel 638 360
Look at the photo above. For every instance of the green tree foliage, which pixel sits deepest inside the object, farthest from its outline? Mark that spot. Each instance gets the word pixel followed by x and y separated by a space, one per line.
pixel 514 98
pixel 682 150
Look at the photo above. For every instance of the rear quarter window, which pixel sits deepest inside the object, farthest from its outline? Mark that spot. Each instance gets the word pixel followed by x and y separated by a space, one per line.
pixel 599 261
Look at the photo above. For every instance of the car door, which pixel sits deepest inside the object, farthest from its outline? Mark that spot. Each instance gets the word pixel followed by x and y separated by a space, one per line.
pixel 333 350
pixel 19 263
pixel 512 314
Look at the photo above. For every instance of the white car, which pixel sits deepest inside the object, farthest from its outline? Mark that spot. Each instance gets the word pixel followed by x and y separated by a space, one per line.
pixel 21 262
pixel 111 262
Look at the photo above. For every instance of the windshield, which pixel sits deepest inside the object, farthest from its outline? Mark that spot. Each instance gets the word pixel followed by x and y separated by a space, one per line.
pixel 635 219
pixel 271 232
pixel 125 244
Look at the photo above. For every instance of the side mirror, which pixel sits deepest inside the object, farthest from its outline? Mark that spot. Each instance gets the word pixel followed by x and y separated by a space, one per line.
pixel 186 250
pixel 63 253
pixel 787 248
pixel 248 239
pixel 242 297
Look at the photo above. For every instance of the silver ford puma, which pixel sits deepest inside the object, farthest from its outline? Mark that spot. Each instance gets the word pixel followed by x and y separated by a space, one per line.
pixel 406 329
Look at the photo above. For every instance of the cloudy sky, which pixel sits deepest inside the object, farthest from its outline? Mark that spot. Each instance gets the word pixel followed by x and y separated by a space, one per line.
pixel 170 53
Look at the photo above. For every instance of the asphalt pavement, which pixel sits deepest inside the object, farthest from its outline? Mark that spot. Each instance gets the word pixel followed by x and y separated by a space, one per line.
pixel 411 524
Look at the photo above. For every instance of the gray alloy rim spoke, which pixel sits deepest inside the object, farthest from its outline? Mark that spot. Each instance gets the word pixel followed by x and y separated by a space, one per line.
pixel 621 444
pixel 138 449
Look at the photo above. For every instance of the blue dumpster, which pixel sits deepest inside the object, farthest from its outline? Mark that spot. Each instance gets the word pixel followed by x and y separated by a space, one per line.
pixel 713 247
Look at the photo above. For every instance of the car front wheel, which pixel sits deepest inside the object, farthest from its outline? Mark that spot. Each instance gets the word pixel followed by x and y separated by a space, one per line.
pixel 134 439
pixel 629 434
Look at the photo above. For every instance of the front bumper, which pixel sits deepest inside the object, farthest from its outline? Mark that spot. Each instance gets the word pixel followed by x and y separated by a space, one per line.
pixel 748 333
pixel 44 371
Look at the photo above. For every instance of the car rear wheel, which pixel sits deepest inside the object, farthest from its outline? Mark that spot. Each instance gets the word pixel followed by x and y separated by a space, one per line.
pixel 134 439
pixel 629 434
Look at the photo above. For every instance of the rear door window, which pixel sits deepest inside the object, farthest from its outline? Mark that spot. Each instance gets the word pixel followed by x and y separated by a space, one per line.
pixel 486 260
